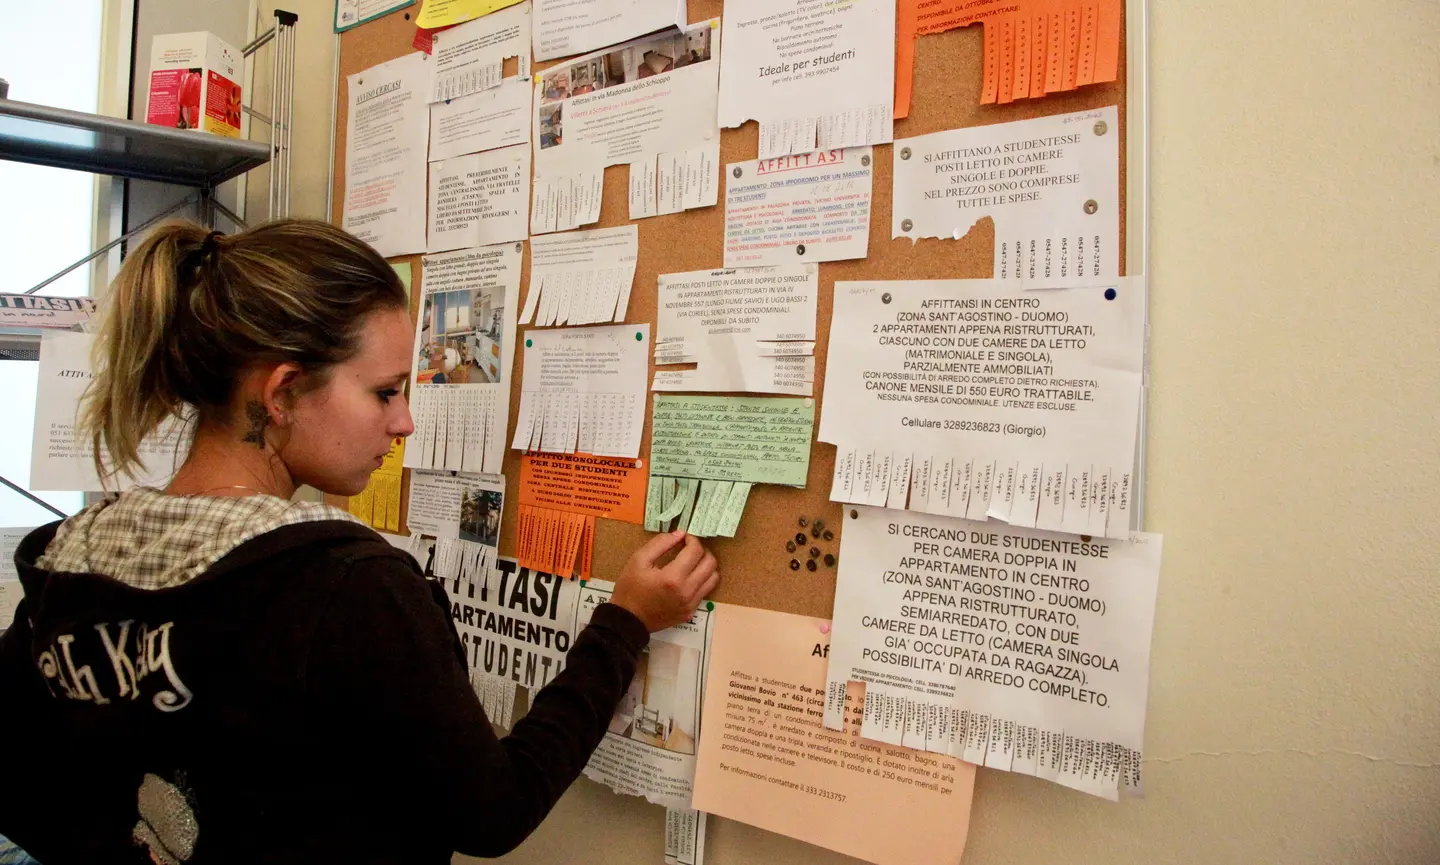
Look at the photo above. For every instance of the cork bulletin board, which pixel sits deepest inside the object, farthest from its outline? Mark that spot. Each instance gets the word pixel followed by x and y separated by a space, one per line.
pixel 755 564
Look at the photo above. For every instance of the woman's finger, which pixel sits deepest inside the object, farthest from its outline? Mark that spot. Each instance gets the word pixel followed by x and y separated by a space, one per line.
pixel 686 560
pixel 651 551
pixel 706 588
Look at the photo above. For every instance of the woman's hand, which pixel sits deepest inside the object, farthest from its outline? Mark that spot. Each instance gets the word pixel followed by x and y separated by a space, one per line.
pixel 662 596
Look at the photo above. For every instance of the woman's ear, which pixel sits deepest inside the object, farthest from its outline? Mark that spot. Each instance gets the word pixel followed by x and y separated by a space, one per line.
pixel 282 388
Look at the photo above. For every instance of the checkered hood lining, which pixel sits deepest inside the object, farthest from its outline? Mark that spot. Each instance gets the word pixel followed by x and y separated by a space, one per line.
pixel 150 540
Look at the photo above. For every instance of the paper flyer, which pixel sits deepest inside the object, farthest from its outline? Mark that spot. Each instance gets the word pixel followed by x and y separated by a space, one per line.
pixel 62 459
pixel 581 277
pixel 560 497
pixel 767 760
pixel 649 103
pixel 812 207
pixel 386 147
pixel 464 354
pixel 744 329
pixel 584 390
pixel 485 120
pixel 816 76
pixel 979 399
pixel 1011 648
pixel 353 13
pixel 684 837
pixel 1051 185
pixel 497 697
pixel 708 451
pixel 33 310
pixel 516 623
pixel 437 14
pixel 11 592
pixel 378 505
pixel 1032 47
pixel 649 748
pixel 564 28
pixel 609 487
pixel 479 199
pixel 456 505
pixel 728 438
pixel 471 57
pixel 556 541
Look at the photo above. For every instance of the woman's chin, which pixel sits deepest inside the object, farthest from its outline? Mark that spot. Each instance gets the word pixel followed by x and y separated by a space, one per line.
pixel 341 487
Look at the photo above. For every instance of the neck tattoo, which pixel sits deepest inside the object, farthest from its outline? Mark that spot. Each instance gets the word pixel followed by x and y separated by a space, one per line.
pixel 255 419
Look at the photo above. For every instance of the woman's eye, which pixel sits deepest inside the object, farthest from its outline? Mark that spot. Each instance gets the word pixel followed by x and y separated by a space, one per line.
pixel 386 394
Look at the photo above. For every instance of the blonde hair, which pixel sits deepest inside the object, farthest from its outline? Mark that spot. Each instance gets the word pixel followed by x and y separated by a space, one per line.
pixel 191 309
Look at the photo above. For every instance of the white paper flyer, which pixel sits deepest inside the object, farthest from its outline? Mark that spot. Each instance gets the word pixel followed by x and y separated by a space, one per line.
pixel 649 103
pixel 1010 648
pixel 979 399
pixel 1051 185
pixel 464 353
pixel 815 75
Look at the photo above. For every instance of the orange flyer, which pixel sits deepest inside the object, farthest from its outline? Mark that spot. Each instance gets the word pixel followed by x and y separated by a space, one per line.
pixel 1072 42
pixel 610 487
pixel 765 758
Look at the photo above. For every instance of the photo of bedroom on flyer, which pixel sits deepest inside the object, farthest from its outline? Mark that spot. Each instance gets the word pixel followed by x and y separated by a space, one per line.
pixel 662 705
pixel 614 100
pixel 649 748
pixel 460 337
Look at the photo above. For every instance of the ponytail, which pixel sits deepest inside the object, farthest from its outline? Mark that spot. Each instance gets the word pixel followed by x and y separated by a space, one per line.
pixel 191 309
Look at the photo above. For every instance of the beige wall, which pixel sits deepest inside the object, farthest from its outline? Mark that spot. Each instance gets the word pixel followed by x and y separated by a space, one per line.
pixel 1293 452
pixel 314 91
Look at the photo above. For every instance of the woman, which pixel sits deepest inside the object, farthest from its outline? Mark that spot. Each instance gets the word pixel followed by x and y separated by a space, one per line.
pixel 214 673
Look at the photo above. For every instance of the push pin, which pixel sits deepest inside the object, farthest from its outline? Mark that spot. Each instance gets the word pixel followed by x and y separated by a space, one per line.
pixel 804 522
pixel 829 560
pixel 829 535
pixel 794 564
pixel 790 546
pixel 814 552
pixel 810 565
pixel 799 538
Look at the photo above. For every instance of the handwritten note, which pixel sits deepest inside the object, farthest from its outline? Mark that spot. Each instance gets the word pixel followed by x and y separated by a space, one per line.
pixel 755 440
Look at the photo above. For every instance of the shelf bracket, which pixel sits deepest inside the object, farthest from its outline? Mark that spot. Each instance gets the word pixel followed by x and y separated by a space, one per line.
pixel 184 202
pixel 34 498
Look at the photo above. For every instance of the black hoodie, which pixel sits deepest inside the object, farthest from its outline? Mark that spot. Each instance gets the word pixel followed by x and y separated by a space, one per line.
pixel 304 699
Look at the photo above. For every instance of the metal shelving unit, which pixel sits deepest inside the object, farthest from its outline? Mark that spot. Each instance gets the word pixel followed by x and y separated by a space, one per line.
pixel 58 138
pixel 41 135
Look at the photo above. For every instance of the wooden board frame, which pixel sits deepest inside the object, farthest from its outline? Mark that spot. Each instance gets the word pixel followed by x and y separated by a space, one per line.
pixel 755 564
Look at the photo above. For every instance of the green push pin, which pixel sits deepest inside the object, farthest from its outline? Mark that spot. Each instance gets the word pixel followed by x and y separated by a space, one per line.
pixel 529 343
pixel 709 606
pixel 639 336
